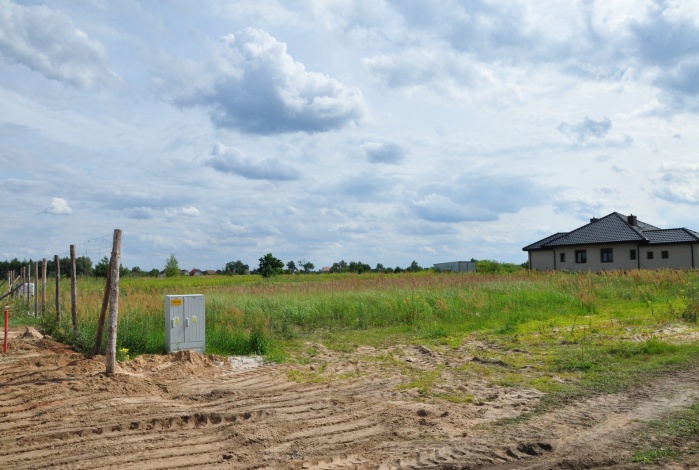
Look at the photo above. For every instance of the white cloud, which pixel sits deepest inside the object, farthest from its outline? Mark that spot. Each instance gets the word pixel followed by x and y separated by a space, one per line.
pixel 47 41
pixel 586 129
pixel 232 160
pixel 58 206
pixel 260 89
pixel 190 211
pixel 383 152
pixel 678 182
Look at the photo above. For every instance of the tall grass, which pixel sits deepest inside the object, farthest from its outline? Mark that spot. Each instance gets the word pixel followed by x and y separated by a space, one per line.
pixel 248 314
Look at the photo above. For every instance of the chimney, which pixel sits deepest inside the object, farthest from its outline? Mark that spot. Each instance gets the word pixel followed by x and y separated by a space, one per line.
pixel 632 220
pixel 593 220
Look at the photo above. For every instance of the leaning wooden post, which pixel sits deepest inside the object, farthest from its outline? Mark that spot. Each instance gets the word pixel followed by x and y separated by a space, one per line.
pixel 36 289
pixel 58 289
pixel 103 312
pixel 43 287
pixel 113 303
pixel 73 293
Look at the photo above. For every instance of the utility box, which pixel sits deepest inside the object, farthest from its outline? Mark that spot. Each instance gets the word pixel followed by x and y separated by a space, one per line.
pixel 185 322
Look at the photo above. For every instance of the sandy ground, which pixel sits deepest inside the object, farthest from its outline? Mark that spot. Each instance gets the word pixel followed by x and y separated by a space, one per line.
pixel 185 410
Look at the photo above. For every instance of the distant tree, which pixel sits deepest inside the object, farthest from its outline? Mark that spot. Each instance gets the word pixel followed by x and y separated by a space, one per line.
pixel 358 267
pixel 291 267
pixel 83 266
pixel 236 267
pixel 379 268
pixel 136 270
pixel 307 266
pixel 270 266
pixel 339 267
pixel 153 272
pixel 414 267
pixel 102 268
pixel 398 269
pixel 172 268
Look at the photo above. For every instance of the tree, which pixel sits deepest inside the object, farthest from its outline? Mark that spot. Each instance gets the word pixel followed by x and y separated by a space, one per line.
pixel 154 272
pixel 172 268
pixel 340 267
pixel 102 268
pixel 414 267
pixel 291 267
pixel 236 267
pixel 307 266
pixel 358 267
pixel 270 266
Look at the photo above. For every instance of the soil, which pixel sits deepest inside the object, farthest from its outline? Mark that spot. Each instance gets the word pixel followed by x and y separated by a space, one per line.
pixel 343 410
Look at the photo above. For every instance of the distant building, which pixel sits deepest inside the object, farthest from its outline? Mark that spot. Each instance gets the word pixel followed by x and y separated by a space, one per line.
pixel 457 266
pixel 616 241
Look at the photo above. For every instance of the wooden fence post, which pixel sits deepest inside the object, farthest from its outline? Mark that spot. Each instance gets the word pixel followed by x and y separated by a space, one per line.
pixel 73 293
pixel 43 288
pixel 113 303
pixel 103 312
pixel 58 289
pixel 36 289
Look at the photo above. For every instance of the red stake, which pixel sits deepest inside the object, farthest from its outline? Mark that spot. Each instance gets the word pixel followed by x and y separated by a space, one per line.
pixel 7 322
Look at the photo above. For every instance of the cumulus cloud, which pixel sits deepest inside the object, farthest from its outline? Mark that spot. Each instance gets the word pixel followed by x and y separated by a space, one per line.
pixel 679 182
pixel 383 152
pixel 260 89
pixel 47 41
pixel 148 213
pixel 190 211
pixel 586 129
pixel 58 206
pixel 680 85
pixel 581 207
pixel 476 197
pixel 439 208
pixel 232 160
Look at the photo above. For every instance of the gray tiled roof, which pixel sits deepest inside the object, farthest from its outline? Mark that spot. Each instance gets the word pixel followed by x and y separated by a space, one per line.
pixel 673 235
pixel 615 228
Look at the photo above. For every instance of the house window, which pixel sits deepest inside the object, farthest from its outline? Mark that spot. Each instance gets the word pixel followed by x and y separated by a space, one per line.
pixel 581 256
pixel 632 254
pixel 606 255
pixel 664 254
pixel 562 257
pixel 650 255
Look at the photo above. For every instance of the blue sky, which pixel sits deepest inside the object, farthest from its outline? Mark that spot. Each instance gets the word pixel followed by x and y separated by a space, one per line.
pixel 370 130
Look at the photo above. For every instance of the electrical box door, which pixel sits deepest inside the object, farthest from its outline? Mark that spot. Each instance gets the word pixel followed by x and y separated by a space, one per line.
pixel 185 322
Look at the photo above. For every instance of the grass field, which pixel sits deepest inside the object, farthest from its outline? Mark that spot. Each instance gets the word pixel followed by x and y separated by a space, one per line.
pixel 605 330
pixel 569 335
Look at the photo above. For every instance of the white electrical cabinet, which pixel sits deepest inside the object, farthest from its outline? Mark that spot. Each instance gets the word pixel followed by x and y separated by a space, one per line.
pixel 185 322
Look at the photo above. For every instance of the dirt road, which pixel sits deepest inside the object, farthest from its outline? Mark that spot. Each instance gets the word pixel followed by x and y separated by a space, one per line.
pixel 185 410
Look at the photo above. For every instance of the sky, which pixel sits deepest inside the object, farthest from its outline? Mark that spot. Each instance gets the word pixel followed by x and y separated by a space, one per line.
pixel 380 131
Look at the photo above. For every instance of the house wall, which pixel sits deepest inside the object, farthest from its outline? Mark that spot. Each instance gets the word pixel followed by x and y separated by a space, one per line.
pixel 541 260
pixel 679 256
pixel 621 258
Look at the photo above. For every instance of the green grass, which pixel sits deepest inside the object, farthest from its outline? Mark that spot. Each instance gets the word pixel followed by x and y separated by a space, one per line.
pixel 584 332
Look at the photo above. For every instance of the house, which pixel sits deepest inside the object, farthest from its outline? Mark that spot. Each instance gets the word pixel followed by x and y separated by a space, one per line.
pixel 195 272
pixel 616 241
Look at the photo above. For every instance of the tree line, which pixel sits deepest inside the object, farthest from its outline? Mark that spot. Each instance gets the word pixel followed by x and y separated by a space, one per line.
pixel 268 266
